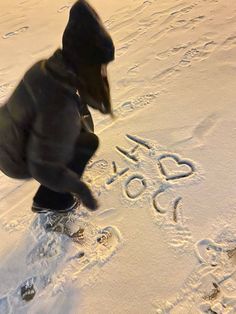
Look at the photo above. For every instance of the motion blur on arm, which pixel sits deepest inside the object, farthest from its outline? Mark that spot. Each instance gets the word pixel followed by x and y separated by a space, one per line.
pixel 43 134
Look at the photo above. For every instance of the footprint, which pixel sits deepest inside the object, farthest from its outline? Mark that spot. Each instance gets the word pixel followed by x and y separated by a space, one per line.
pixel 213 293
pixel 211 287
pixel 61 224
pixel 166 74
pixel 124 110
pixel 169 217
pixel 27 291
pixel 215 254
pixel 96 248
pixel 48 248
pixel 170 52
pixel 108 240
pixel 205 126
pixel 229 43
pixel 67 244
pixel 209 252
pixel 198 53
pixel 232 254
pixel 198 295
pixel 191 54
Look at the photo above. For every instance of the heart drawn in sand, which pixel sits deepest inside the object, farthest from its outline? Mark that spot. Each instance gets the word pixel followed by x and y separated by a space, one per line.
pixel 174 168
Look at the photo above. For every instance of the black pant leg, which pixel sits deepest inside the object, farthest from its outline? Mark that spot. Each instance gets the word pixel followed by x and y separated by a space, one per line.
pixel 47 198
pixel 85 148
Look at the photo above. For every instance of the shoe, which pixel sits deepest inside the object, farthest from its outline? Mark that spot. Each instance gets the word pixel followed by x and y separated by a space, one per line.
pixel 37 208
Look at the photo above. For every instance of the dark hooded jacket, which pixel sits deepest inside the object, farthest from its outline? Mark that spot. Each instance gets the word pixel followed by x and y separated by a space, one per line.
pixel 42 119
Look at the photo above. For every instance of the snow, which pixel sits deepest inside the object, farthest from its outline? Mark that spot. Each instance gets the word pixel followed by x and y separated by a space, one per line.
pixel 164 237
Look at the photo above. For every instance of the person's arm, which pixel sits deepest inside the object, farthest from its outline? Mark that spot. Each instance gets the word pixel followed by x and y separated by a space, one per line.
pixel 50 148
pixel 59 178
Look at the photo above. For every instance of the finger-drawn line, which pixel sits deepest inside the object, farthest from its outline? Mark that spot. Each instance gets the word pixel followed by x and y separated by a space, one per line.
pixel 161 210
pixel 127 154
pixel 102 163
pixel 178 162
pixel 175 208
pixel 115 176
pixel 114 167
pixel 133 150
pixel 139 141
pixel 155 201
pixel 143 186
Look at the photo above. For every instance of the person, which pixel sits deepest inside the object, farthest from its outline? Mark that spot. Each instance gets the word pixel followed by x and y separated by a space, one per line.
pixel 46 129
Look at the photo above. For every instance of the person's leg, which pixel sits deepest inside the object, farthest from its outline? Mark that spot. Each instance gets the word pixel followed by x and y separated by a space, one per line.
pixel 47 200
pixel 86 146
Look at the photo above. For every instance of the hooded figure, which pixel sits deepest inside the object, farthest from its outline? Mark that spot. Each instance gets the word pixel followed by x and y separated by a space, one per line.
pixel 46 129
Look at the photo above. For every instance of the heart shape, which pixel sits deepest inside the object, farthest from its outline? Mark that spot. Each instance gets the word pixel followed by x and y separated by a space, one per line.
pixel 174 168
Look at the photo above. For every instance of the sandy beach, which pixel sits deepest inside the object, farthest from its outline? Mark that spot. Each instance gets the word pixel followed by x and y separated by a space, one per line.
pixel 164 237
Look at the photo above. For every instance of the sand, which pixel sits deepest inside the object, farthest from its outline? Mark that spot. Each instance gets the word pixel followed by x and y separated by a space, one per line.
pixel 164 237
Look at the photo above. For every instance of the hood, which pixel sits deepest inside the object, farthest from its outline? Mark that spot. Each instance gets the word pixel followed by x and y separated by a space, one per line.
pixel 85 39
pixel 62 71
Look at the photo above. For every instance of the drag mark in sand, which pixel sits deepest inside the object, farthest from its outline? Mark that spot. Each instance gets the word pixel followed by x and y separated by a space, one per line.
pixel 64 8
pixel 16 32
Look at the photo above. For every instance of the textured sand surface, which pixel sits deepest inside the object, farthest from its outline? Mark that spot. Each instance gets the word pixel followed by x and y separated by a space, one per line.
pixel 164 238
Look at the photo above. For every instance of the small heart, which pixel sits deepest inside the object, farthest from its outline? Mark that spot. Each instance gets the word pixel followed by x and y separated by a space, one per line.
pixel 174 168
